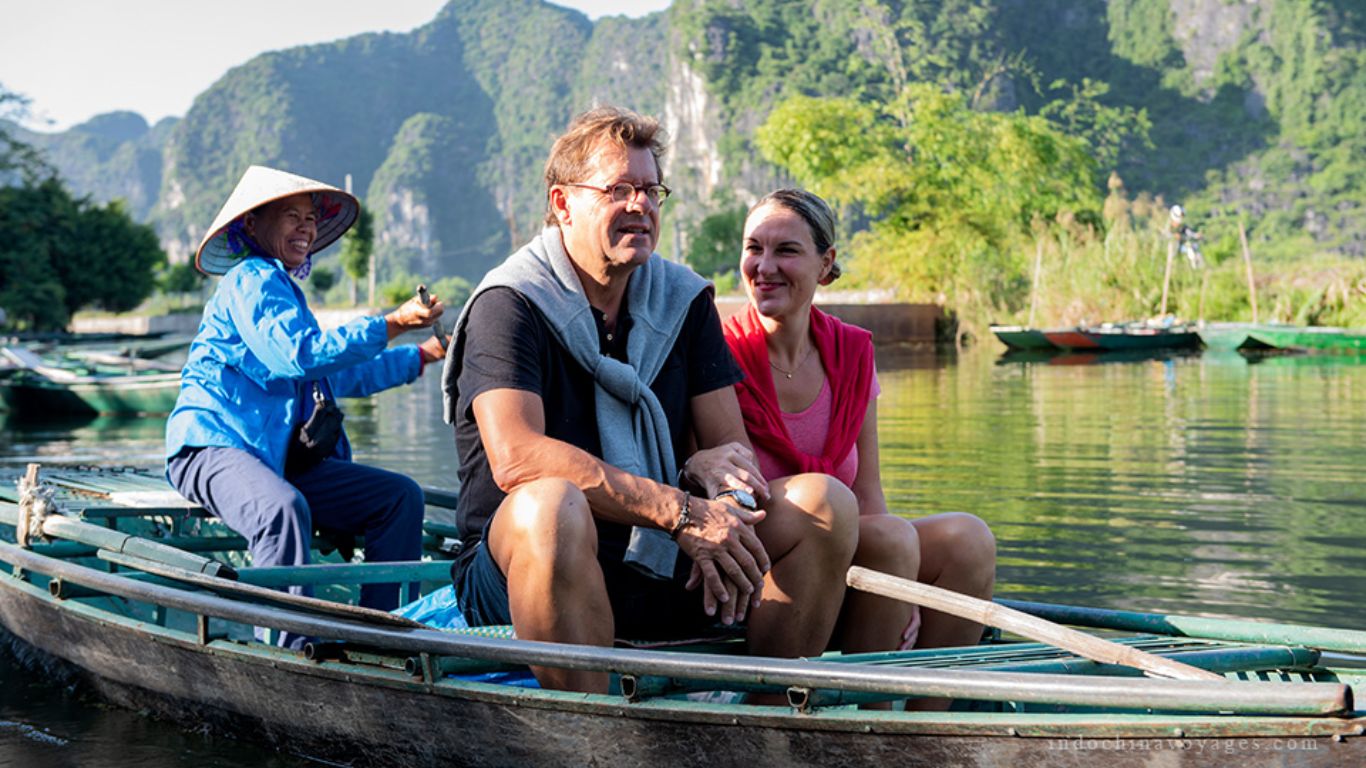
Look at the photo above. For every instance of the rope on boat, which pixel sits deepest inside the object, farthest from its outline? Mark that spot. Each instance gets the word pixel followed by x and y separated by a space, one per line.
pixel 36 502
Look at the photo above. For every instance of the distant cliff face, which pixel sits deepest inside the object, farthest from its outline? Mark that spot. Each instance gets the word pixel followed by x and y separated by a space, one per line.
pixel 444 130
pixel 115 156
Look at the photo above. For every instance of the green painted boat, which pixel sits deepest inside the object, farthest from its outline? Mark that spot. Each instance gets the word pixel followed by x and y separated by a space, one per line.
pixel 37 389
pixel 1236 336
pixel 166 633
pixel 1280 336
pixel 28 394
pixel 1311 338
pixel 1018 337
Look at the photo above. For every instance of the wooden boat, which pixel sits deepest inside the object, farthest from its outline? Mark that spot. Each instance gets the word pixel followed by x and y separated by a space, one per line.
pixel 1017 337
pixel 157 634
pixel 1311 338
pixel 27 394
pixel 1070 338
pixel 1095 356
pixel 1110 337
pixel 1231 336
pixel 37 389
pixel 1137 336
pixel 1278 336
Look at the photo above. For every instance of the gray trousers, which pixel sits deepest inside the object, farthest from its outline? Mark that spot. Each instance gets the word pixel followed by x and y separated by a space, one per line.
pixel 277 516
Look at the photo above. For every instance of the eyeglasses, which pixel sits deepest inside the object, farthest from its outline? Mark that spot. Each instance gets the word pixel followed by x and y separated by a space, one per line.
pixel 623 191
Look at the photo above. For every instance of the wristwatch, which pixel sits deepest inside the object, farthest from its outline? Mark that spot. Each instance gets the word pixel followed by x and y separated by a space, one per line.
pixel 741 497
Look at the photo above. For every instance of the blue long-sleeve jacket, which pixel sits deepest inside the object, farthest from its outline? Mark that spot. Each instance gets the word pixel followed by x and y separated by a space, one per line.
pixel 257 343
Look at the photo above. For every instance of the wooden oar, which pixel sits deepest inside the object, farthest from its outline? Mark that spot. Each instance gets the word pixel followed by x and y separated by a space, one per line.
pixel 1034 628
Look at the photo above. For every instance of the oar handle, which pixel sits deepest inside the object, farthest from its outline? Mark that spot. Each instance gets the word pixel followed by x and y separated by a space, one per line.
pixel 1034 628
pixel 426 299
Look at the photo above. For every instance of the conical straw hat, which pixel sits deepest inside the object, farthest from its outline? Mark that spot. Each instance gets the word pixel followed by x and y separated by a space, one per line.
pixel 337 211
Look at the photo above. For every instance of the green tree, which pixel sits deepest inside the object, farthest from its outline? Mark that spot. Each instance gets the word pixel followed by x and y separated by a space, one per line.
pixel 321 280
pixel 181 280
pixel 37 220
pixel 357 245
pixel 63 254
pixel 114 261
pixel 715 243
pixel 17 157
pixel 453 291
pixel 950 192
pixel 1114 134
pixel 399 288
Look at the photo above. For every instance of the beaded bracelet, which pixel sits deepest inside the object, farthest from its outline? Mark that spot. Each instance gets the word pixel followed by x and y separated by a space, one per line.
pixel 684 516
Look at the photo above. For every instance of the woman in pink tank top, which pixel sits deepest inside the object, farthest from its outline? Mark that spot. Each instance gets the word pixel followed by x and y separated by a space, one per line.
pixel 809 400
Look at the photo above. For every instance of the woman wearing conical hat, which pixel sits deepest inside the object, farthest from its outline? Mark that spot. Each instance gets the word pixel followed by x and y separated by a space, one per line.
pixel 260 369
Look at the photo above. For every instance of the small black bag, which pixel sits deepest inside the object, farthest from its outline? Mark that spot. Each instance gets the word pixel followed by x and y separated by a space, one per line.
pixel 316 438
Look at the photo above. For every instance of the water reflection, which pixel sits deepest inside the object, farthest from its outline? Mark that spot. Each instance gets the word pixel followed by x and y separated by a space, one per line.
pixel 1213 485
pixel 1192 484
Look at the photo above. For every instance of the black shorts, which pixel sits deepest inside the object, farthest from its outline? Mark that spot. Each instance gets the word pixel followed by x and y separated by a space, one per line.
pixel 644 608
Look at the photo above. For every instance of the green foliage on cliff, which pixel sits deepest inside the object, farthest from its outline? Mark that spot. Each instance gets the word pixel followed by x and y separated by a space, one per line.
pixel 1252 111
pixel 431 176
pixel 715 245
pixel 1241 111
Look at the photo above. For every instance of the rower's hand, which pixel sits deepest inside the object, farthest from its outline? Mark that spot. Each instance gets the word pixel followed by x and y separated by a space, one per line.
pixel 412 315
pixel 731 465
pixel 729 561
pixel 432 350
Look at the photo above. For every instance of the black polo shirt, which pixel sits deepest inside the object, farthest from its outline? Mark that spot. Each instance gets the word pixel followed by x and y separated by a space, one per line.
pixel 508 345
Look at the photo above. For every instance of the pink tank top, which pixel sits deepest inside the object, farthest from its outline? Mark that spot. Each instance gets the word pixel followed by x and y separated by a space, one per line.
pixel 809 428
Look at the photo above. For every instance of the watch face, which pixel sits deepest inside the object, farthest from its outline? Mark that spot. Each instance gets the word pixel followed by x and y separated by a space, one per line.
pixel 743 498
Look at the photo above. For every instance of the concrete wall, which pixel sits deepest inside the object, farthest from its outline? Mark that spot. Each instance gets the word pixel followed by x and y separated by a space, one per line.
pixel 185 323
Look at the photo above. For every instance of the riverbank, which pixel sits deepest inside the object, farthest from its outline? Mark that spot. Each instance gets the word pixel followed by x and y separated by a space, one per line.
pixel 891 323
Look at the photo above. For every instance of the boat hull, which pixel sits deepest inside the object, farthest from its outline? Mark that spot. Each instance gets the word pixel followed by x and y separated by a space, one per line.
pixel 38 397
pixel 331 710
pixel 1070 339
pixel 1021 338
pixel 1320 339
pixel 1143 339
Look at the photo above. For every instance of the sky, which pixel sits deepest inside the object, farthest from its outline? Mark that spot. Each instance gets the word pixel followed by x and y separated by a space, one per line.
pixel 74 59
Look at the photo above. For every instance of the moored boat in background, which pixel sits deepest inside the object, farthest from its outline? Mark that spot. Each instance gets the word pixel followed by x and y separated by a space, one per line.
pixel 35 388
pixel 31 395
pixel 1125 337
pixel 1021 338
pixel 1310 338
pixel 1108 337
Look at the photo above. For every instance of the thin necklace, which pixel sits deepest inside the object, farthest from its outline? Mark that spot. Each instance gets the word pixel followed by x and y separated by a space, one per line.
pixel 795 368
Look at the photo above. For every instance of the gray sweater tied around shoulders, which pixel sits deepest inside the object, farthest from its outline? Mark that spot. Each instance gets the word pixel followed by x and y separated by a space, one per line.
pixel 632 427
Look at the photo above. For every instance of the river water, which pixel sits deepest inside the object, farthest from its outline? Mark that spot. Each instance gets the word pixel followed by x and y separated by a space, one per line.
pixel 1205 485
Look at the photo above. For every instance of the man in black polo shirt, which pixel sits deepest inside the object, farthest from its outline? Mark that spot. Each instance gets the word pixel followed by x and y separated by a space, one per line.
pixel 587 376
